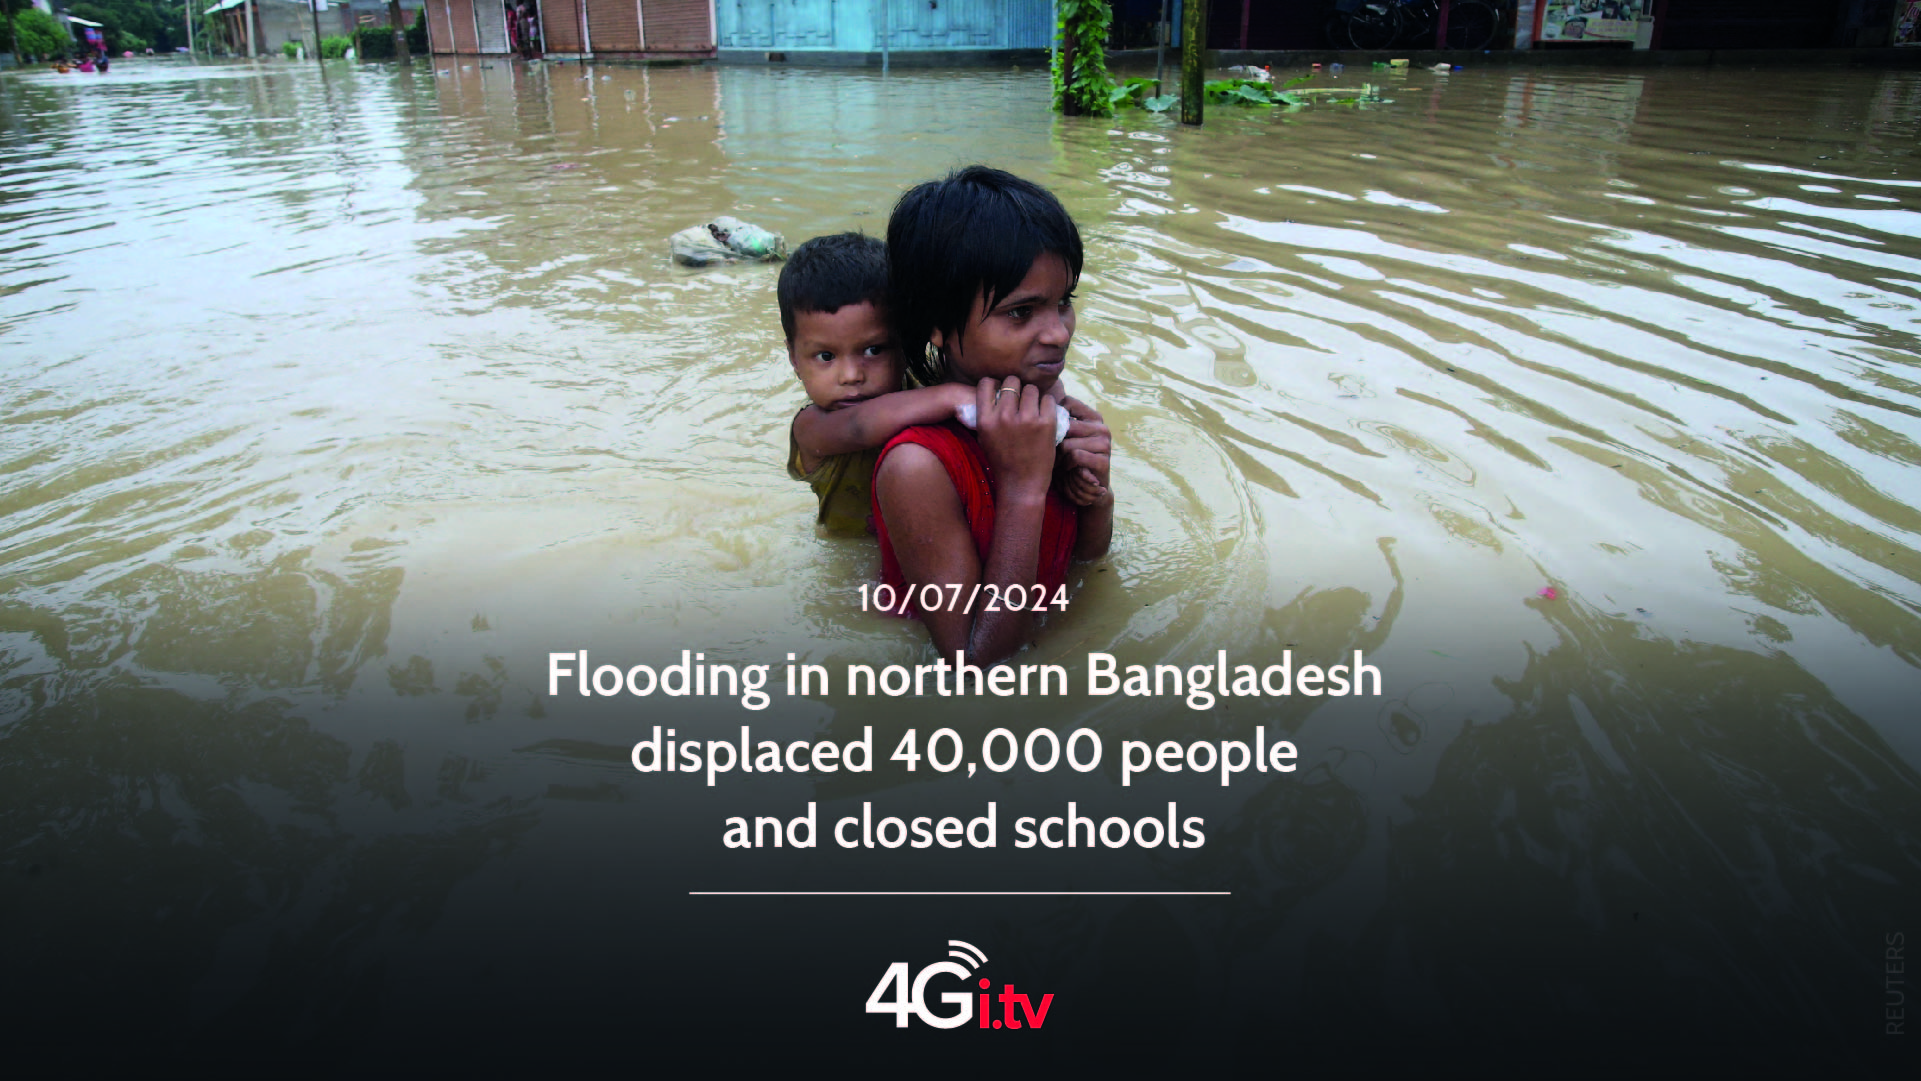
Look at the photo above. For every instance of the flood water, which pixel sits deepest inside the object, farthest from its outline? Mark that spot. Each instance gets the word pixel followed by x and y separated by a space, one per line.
pixel 334 403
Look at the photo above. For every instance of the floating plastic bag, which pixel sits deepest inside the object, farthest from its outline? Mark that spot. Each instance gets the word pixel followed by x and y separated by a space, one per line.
pixel 697 247
pixel 725 240
pixel 749 240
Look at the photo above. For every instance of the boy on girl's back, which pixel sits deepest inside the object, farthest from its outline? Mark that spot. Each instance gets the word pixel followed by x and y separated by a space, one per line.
pixel 833 308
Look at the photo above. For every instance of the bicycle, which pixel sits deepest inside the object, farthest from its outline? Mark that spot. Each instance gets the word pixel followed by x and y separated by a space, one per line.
pixel 1376 25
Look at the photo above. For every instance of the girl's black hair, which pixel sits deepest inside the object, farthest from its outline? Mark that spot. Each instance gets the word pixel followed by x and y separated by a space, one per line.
pixel 973 235
pixel 828 273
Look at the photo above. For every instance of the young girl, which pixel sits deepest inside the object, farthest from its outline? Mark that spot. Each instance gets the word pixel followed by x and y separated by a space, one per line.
pixel 982 270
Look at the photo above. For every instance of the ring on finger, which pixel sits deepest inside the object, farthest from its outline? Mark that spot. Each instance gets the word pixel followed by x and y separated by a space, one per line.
pixel 1003 390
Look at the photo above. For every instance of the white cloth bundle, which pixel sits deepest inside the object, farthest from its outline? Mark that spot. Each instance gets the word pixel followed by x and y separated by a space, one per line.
pixel 971 418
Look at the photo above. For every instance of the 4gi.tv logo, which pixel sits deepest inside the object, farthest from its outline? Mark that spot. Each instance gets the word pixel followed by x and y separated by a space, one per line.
pixel 910 995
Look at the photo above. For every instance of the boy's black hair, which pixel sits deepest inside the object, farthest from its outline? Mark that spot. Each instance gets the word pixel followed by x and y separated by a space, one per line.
pixel 827 273
pixel 974 234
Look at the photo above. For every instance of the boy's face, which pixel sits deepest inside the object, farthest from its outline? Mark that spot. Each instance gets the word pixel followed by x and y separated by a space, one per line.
pixel 845 356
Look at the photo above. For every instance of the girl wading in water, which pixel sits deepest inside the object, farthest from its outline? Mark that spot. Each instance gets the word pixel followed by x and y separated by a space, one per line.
pixel 982 270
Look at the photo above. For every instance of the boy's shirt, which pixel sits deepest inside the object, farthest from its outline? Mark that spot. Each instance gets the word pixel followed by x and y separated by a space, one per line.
pixel 844 485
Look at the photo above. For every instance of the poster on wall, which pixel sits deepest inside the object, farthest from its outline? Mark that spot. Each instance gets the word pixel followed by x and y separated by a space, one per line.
pixel 1907 22
pixel 1595 21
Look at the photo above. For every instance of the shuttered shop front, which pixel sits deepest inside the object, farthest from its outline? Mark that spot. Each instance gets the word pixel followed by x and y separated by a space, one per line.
pixel 491 15
pixel 677 26
pixel 613 26
pixel 560 25
pixel 460 13
pixel 440 33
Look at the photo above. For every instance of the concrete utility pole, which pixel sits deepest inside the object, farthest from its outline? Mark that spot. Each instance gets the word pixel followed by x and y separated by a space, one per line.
pixel 188 7
pixel 1160 49
pixel 1193 59
pixel 400 32
pixel 315 6
pixel 253 30
pixel 1069 107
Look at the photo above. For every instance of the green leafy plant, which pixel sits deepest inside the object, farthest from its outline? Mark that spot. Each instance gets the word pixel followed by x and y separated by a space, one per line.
pixel 417 35
pixel 334 48
pixel 1130 93
pixel 39 35
pixel 291 49
pixel 1251 92
pixel 374 43
pixel 1081 82
pixel 1138 93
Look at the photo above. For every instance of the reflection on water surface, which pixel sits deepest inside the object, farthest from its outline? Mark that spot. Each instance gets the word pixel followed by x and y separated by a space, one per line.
pixel 335 403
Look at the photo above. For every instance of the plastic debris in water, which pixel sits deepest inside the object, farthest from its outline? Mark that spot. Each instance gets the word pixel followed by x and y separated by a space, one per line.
pixel 1548 592
pixel 725 240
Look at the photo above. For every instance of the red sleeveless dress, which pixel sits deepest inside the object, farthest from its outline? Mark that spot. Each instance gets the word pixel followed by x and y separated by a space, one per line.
pixel 961 455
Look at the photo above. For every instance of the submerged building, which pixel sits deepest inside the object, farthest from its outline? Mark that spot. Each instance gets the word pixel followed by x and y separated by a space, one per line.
pixel 862 32
pixel 574 29
pixel 847 31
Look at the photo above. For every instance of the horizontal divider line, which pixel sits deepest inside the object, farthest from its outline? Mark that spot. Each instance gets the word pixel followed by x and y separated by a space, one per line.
pixel 960 893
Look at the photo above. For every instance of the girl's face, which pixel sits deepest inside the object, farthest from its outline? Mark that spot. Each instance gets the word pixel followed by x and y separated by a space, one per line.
pixel 1024 335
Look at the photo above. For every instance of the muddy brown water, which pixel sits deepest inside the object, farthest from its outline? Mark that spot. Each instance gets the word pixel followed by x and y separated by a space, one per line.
pixel 333 404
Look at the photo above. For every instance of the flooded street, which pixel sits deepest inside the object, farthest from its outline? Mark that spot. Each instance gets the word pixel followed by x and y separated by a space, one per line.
pixel 1587 404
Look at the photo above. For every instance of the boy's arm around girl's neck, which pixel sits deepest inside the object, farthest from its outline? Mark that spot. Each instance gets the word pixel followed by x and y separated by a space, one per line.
pixel 868 425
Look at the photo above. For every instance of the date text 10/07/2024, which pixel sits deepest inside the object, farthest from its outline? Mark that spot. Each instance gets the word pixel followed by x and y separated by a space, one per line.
pixel 933 597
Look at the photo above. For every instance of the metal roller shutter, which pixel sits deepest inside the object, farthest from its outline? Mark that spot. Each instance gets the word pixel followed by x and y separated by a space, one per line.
pixel 560 25
pixel 492 17
pixel 461 14
pixel 676 26
pixel 614 25
pixel 440 34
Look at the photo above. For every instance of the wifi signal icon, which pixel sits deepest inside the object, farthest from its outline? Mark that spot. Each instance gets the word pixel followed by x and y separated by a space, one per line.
pixel 971 956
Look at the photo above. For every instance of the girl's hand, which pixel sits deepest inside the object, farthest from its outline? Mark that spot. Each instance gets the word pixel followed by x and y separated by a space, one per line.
pixel 1083 490
pixel 1017 433
pixel 1087 453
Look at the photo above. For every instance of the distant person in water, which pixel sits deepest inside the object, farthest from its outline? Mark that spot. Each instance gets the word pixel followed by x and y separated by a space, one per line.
pixel 982 271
